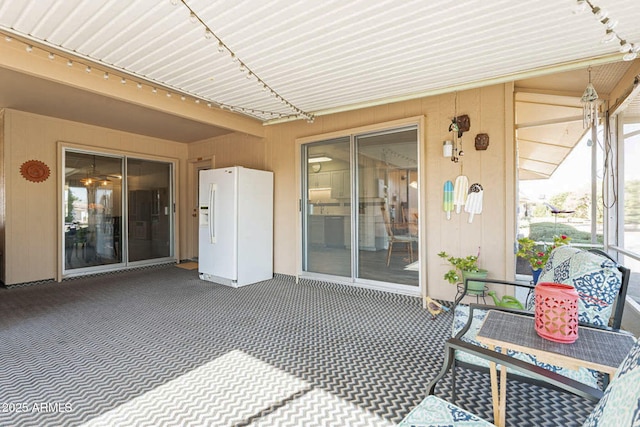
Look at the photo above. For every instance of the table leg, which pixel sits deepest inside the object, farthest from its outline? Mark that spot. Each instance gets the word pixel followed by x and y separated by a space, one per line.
pixel 498 392
pixel 503 393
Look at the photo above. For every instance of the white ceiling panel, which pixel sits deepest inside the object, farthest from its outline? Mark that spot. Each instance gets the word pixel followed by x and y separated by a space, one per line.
pixel 319 56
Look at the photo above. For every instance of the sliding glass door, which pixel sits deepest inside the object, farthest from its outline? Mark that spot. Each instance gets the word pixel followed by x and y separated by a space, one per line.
pixel 92 210
pixel 360 208
pixel 328 207
pixel 387 164
pixel 149 202
pixel 95 205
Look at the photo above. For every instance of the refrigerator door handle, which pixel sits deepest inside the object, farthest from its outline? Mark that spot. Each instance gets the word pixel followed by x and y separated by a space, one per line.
pixel 212 212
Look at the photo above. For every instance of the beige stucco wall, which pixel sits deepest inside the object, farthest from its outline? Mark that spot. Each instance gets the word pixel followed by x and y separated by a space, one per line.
pixel 491 112
pixel 31 242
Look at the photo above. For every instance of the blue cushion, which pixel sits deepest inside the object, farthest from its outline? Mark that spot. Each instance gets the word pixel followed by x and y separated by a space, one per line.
pixel 595 277
pixel 620 405
pixel 434 411
pixel 461 314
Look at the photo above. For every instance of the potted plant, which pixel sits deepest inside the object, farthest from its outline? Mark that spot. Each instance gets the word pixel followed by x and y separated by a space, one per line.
pixel 465 268
pixel 528 249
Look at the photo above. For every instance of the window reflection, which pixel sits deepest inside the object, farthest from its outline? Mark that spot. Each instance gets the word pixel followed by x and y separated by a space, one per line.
pixel 93 185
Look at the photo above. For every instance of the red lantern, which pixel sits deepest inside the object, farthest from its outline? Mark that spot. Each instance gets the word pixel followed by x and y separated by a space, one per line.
pixel 556 315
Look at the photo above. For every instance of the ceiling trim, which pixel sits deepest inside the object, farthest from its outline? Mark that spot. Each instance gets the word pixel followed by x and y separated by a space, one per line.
pixel 568 66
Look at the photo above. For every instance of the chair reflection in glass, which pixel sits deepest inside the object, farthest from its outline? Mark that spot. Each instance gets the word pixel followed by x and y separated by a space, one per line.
pixel 407 239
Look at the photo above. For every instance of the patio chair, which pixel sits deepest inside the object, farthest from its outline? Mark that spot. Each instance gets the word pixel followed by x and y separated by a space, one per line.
pixel 601 284
pixel 618 406
pixel 399 239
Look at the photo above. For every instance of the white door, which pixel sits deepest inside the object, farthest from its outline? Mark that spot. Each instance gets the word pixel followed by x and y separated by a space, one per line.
pixel 218 223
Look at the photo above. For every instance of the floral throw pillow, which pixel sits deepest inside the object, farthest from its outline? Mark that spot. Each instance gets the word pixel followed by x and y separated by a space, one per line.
pixel 595 277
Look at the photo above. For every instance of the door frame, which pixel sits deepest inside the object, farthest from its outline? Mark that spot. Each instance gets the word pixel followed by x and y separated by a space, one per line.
pixel 124 154
pixel 194 166
pixel 421 290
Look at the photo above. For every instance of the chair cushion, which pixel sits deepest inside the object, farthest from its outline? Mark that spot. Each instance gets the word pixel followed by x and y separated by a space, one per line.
pixel 595 277
pixel 434 411
pixel 620 405
pixel 461 314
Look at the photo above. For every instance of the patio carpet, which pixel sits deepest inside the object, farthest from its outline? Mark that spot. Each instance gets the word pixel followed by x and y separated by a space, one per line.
pixel 126 345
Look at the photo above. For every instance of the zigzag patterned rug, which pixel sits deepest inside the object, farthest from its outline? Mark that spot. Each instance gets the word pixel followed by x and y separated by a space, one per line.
pixel 94 349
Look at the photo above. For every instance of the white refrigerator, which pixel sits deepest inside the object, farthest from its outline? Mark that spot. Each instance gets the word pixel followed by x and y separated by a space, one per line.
pixel 235 226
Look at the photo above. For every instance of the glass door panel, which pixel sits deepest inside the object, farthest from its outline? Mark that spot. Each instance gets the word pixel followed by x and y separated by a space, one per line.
pixel 631 192
pixel 92 210
pixel 150 209
pixel 387 172
pixel 327 198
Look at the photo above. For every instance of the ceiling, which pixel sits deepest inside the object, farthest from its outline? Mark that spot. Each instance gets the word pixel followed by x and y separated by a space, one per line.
pixel 27 93
pixel 302 59
pixel 549 119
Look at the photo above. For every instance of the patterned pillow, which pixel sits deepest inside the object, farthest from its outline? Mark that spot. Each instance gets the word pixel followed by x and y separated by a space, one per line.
pixel 620 405
pixel 595 277
pixel 434 411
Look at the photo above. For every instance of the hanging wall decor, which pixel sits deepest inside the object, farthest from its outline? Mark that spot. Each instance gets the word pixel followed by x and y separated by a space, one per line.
pixel 35 171
pixel 482 141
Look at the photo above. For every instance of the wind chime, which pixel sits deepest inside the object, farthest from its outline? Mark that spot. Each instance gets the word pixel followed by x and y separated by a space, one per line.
pixel 590 104
pixel 459 125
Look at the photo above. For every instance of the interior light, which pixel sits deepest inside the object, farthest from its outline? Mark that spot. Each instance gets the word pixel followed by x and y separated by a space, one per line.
pixel 609 36
pixel 610 23
pixel 625 46
pixel 581 6
pixel 319 159
pixel 600 14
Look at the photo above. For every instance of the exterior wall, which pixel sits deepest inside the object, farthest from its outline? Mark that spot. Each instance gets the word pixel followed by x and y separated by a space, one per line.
pixel 31 214
pixel 491 112
pixel 31 227
pixel 237 149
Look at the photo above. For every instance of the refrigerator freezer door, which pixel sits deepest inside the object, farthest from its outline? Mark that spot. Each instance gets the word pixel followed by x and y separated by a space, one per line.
pixel 217 256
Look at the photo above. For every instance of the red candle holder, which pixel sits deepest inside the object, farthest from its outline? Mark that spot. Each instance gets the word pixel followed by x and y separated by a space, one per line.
pixel 556 313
